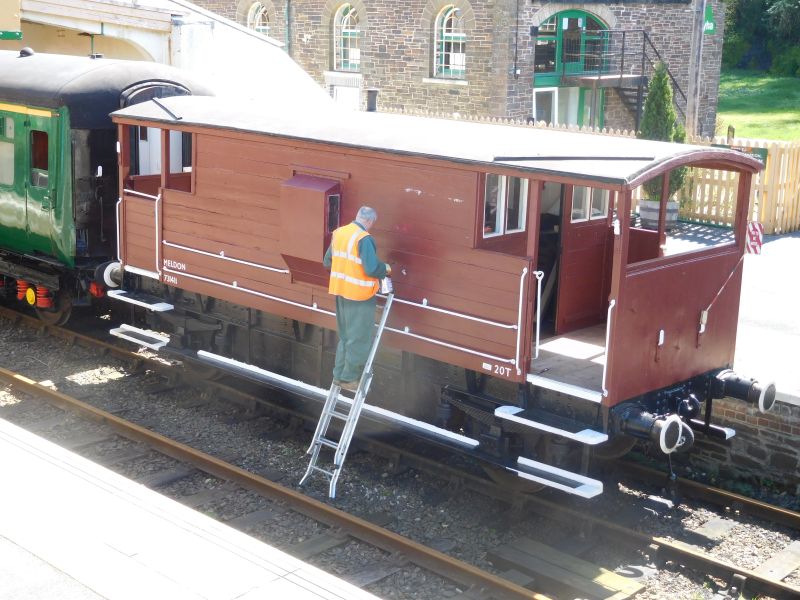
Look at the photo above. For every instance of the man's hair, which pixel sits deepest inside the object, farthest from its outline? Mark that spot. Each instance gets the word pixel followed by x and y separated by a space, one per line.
pixel 366 214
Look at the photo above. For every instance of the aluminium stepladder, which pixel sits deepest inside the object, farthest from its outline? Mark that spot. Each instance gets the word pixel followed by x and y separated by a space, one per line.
pixel 346 410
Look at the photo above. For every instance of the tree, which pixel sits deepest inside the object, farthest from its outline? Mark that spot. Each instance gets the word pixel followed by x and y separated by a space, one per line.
pixel 660 122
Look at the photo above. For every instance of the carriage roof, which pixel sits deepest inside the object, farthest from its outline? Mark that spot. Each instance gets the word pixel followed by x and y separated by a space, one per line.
pixel 89 88
pixel 617 161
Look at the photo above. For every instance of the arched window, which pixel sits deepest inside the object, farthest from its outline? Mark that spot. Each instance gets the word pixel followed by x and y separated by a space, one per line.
pixel 346 55
pixel 258 18
pixel 450 44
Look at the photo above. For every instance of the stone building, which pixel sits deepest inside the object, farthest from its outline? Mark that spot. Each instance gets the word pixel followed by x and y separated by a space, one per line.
pixel 563 62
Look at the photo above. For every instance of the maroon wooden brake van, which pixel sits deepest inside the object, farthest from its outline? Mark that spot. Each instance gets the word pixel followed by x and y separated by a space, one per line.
pixel 517 252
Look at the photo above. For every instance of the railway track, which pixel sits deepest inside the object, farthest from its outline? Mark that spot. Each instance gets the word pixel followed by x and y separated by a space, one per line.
pixel 525 563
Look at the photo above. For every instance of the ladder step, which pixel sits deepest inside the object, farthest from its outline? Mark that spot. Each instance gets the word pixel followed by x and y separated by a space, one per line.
pixel 566 481
pixel 321 470
pixel 545 421
pixel 143 337
pixel 340 415
pixel 328 443
pixel 139 299
pixel 565 388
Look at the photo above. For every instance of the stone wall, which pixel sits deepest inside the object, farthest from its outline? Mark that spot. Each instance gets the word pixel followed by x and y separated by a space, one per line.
pixel 396 47
pixel 766 446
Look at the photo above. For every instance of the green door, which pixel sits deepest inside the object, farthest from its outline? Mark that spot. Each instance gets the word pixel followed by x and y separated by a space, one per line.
pixel 570 31
pixel 41 178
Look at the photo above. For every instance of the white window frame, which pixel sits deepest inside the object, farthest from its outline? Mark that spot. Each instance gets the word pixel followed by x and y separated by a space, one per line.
pixel 256 15
pixel 501 223
pixel 588 203
pixel 346 37
pixel 555 102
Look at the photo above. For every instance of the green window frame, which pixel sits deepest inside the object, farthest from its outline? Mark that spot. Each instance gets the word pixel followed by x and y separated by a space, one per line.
pixel 450 44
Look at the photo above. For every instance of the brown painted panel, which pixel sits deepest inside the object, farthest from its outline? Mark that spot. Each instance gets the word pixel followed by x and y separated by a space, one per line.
pixel 258 237
pixel 141 256
pixel 261 208
pixel 581 279
pixel 643 245
pixel 146 184
pixel 267 256
pixel 174 215
pixel 669 294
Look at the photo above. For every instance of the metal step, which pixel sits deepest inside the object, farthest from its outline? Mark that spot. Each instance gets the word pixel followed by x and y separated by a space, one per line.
pixel 146 300
pixel 143 337
pixel 565 388
pixel 374 413
pixel 544 421
pixel 566 481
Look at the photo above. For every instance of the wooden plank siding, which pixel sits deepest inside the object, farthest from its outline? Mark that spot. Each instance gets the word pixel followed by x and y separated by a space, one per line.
pixel 426 230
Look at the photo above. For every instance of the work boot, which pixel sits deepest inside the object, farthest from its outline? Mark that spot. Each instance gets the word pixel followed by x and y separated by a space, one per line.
pixel 350 386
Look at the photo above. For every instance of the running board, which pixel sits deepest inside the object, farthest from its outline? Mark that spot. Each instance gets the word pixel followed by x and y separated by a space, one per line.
pixel 566 481
pixel 552 424
pixel 565 388
pixel 149 302
pixel 143 337
pixel 375 413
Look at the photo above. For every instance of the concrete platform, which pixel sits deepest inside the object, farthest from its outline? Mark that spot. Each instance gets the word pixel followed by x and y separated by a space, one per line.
pixel 70 529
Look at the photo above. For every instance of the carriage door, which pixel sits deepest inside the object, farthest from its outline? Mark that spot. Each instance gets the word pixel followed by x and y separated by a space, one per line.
pixel 41 178
pixel 584 245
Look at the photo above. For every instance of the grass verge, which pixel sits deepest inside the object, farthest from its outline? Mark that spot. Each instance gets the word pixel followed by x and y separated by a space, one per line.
pixel 759 105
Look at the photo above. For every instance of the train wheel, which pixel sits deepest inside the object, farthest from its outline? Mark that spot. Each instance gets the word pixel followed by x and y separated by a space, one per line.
pixel 200 371
pixel 61 311
pixel 616 447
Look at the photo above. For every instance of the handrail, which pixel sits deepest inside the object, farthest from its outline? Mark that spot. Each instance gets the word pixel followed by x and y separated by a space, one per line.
pixel 539 276
pixel 158 236
pixel 119 237
pixel 315 308
pixel 608 339
pixel 519 317
pixel 222 256
pixel 142 194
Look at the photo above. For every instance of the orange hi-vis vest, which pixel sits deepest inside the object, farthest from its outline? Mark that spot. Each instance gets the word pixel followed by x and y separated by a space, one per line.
pixel 348 278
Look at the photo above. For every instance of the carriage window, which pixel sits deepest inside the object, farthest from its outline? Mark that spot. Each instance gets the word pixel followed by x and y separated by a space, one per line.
pixel 333 212
pixel 39 160
pixel 179 176
pixel 588 204
pixel 8 128
pixel 6 163
pixel 145 150
pixel 504 205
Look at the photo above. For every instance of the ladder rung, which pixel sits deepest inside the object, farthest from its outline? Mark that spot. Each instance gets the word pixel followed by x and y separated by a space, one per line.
pixel 321 470
pixel 340 415
pixel 329 443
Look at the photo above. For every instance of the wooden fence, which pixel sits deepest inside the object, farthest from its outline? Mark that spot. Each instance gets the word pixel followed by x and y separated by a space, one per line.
pixel 774 197
pixel 709 196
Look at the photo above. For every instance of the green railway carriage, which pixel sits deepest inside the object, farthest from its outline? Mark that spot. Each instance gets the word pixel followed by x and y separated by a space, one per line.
pixel 58 175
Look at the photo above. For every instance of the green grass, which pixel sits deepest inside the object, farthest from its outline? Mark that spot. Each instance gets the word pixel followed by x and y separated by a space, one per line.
pixel 759 106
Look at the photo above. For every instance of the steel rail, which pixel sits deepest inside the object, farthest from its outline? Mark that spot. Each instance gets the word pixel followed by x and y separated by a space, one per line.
pixel 438 562
pixel 665 549
pixel 720 497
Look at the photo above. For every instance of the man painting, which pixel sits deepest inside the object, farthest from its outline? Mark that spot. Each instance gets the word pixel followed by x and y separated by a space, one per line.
pixel 355 270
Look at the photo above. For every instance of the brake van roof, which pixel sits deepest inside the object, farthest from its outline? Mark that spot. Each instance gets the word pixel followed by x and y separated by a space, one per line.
pixel 89 88
pixel 617 161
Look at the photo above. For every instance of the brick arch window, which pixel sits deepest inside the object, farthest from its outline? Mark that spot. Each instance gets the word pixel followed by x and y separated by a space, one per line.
pixel 449 44
pixel 258 15
pixel 258 18
pixel 346 33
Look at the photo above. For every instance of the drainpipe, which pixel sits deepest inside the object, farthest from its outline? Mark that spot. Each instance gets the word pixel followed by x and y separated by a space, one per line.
pixel 287 37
